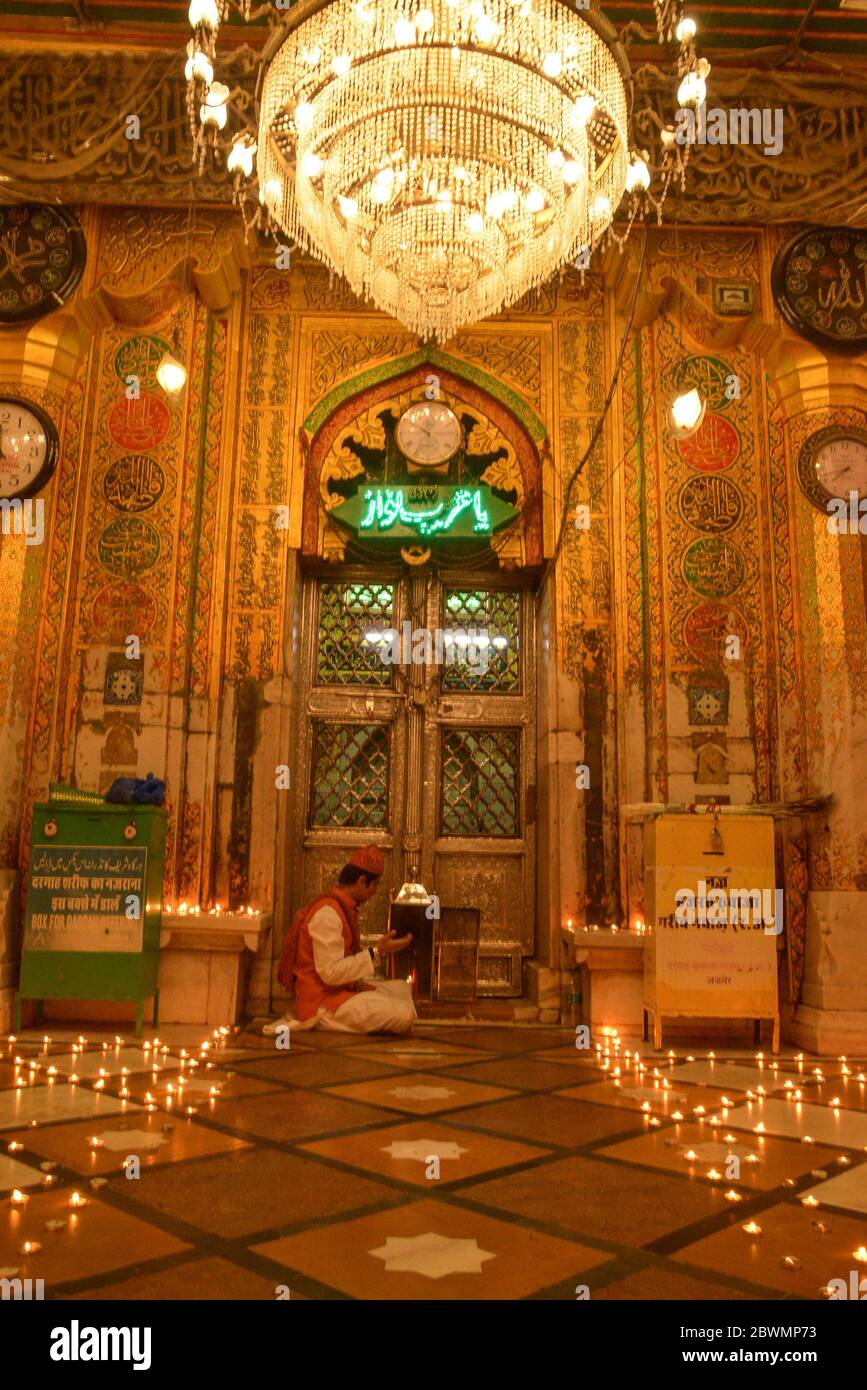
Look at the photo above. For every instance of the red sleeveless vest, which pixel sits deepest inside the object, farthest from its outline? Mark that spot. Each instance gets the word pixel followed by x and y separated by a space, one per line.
pixel 311 992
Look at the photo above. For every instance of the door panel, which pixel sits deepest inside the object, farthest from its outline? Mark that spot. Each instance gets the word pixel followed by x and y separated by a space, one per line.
pixel 433 760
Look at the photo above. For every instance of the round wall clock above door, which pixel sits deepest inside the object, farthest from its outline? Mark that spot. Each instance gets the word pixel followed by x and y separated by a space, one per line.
pixel 819 280
pixel 29 447
pixel 429 433
pixel 42 256
pixel 833 463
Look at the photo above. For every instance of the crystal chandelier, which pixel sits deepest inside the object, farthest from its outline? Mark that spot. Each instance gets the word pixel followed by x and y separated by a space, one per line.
pixel 444 156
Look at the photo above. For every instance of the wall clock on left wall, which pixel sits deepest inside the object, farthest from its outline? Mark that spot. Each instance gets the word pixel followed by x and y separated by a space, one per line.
pixel 29 447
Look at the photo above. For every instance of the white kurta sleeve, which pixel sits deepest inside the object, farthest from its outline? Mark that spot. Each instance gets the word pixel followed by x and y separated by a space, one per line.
pixel 333 966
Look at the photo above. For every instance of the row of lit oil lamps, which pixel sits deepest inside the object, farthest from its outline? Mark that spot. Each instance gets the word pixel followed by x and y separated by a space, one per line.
pixel 185 909
pixel 749 1228
pixel 638 928
pixel 18 1199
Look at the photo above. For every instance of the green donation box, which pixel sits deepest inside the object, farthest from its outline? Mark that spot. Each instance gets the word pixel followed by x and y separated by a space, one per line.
pixel 94 897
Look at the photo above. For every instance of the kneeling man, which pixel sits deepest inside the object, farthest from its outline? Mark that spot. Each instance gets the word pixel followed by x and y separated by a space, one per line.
pixel 334 988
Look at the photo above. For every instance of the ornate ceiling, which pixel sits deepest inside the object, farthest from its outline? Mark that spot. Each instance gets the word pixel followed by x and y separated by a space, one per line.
pixel 71 70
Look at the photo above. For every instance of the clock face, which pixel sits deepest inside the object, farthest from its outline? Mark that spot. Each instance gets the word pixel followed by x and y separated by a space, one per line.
pixel 42 256
pixel 832 464
pixel 429 432
pixel 28 448
pixel 841 466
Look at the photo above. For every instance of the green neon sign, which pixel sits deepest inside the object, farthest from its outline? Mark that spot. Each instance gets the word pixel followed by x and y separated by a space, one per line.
pixel 425 511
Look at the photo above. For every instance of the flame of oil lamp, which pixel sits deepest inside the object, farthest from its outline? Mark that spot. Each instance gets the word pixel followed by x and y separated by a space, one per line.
pixel 677 1115
pixel 698 1110
pixel 759 1128
pixel 713 1175
pixel 834 1103
pixel 690 1155
pixel 844 1161
pixel 13 1146
pixel 860 1254
pixel 95 1142
pixel 809 1201
pixel 30 1247
pixel 791 1262
pixel 807 1139
pixel 18 1198
pixel 752 1228
pixel 77 1200
pixel 732 1196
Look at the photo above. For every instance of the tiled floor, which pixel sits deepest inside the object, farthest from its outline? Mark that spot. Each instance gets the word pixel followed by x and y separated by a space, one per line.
pixel 463 1163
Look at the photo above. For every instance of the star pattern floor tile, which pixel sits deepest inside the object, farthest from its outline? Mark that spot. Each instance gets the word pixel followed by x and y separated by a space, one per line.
pixel 402 1152
pixel 421 1093
pixel 431 1251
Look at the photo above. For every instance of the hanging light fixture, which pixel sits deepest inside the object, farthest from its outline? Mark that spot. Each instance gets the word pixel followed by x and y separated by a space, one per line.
pixel 171 374
pixel 686 411
pixel 445 156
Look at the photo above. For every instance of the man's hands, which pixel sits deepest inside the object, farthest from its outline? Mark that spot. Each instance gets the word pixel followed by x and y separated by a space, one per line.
pixel 391 942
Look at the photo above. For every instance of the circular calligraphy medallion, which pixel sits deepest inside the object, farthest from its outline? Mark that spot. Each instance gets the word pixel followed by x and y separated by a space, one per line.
pixel 706 629
pixel 714 446
pixel 714 568
pixel 710 503
pixel 121 609
pixel 139 424
pixel 128 547
pixel 819 280
pixel 133 483
pixel 709 375
pixel 42 257
pixel 139 357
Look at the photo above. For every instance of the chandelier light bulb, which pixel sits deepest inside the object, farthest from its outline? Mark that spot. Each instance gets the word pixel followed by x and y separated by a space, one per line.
pixel 270 193
pixel 215 109
pixel 535 200
pixel 171 374
pixel 693 89
pixel 424 21
pixel 362 13
pixel 552 65
pixel 601 208
pixel 312 165
pixel 556 159
pixel 500 202
pixel 382 186
pixel 404 32
pixel 686 29
pixel 637 175
pixel 486 28
pixel 475 223
pixel 205 14
pixel 199 68
pixel 304 116
pixel 348 206
pixel 582 110
pixel 240 157
pixel 685 413
pixel 340 64
pixel 571 171
pixel 311 56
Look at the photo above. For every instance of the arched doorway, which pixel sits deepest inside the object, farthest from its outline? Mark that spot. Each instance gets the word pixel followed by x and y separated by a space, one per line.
pixel 416 685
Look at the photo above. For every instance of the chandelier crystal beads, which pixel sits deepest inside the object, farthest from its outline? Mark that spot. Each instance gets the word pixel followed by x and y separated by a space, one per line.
pixel 445 159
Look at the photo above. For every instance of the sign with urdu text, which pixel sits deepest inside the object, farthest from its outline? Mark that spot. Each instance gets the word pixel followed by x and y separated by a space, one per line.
pixel 80 897
pixel 425 511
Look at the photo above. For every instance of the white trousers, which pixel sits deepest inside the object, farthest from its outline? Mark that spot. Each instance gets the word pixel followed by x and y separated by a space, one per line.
pixel 387 1008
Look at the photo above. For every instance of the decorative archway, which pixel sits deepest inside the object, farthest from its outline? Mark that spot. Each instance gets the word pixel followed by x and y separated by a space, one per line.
pixel 521 429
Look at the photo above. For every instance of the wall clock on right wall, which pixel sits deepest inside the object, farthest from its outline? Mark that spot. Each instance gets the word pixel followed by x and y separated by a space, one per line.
pixel 833 463
pixel 819 280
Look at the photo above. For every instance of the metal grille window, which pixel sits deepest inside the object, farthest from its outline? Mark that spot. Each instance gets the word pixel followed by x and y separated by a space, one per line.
pixel 349 775
pixel 480 782
pixel 352 621
pixel 482 629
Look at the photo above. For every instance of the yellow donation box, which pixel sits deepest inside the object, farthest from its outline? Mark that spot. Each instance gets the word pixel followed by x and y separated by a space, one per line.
pixel 715 915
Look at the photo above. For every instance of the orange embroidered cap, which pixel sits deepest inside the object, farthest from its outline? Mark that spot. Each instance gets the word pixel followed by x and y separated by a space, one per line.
pixel 369 858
